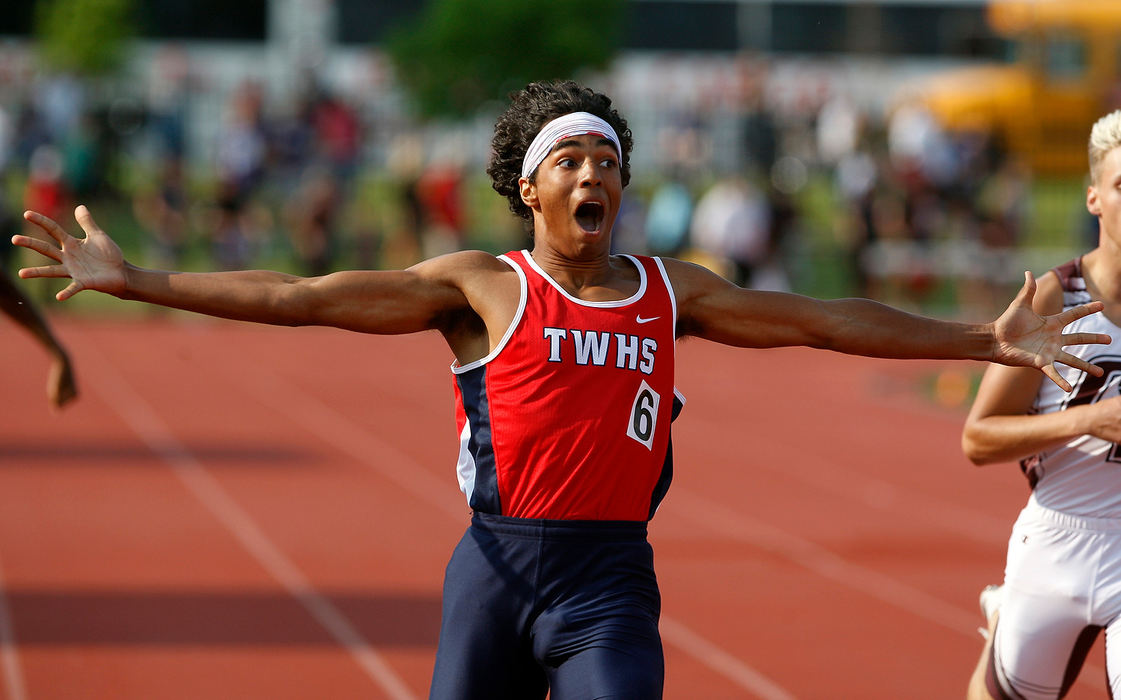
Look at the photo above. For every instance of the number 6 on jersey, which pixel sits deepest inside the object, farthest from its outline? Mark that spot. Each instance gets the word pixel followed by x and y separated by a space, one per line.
pixel 644 415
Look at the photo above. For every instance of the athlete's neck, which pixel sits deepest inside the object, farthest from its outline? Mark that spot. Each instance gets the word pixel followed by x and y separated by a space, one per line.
pixel 597 278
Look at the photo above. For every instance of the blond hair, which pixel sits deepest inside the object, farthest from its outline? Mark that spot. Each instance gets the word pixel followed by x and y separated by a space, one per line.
pixel 1104 137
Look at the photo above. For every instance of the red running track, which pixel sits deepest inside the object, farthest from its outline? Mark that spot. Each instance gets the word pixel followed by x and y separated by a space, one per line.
pixel 241 511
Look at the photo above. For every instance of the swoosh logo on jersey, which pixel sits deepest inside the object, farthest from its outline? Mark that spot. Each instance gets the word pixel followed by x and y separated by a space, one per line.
pixel 640 319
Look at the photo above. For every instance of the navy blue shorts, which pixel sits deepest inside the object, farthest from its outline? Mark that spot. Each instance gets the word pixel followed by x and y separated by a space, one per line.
pixel 532 607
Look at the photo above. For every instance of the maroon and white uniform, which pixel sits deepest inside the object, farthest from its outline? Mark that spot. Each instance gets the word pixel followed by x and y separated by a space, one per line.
pixel 1063 574
pixel 569 417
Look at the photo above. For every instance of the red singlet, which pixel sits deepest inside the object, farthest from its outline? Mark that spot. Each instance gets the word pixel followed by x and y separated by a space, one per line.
pixel 569 417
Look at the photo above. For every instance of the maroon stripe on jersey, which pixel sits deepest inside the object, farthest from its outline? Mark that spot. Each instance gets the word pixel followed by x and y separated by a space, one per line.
pixel 1072 269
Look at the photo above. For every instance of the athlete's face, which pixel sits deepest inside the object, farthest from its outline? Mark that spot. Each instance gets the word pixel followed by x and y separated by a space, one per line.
pixel 1103 196
pixel 576 193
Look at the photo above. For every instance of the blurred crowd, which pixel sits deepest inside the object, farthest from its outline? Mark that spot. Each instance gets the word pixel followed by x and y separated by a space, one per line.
pixel 279 178
pixel 895 204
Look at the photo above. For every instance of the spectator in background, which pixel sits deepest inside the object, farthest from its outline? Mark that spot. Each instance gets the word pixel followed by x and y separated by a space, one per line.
pixel 82 163
pixel 312 217
pixel 669 217
pixel 45 186
pixel 338 134
pixel 241 160
pixel 857 180
pixel 732 222
pixel 760 132
pixel 168 100
pixel 440 195
pixel 161 208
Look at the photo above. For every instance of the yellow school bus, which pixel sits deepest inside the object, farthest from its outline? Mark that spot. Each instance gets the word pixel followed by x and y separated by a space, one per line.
pixel 1064 71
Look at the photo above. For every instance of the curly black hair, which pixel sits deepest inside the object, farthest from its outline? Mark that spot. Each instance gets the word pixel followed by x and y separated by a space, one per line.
pixel 530 109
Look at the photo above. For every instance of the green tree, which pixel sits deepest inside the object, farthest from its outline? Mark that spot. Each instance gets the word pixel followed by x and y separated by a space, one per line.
pixel 87 37
pixel 459 54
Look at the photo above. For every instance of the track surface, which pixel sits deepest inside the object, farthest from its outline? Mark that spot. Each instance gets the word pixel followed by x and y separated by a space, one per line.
pixel 236 511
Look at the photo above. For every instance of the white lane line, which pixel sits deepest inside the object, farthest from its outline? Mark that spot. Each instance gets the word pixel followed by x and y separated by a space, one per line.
pixel 143 420
pixel 820 473
pixel 360 442
pixel 819 560
pixel 721 661
pixel 9 651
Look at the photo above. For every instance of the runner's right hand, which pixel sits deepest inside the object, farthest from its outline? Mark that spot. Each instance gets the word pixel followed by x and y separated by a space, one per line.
pixel 94 262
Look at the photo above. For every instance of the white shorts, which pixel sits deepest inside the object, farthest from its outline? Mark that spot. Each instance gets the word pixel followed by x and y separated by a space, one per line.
pixel 1062 585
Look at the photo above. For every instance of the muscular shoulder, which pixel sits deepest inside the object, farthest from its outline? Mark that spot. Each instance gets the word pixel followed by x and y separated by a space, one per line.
pixel 697 291
pixel 490 290
pixel 1048 294
pixel 462 267
pixel 690 280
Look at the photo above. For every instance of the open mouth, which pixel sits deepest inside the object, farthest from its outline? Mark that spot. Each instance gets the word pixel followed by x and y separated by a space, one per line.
pixel 590 216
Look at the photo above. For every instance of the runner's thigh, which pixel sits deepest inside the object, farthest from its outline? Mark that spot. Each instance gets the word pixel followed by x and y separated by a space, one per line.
pixel 1045 618
pixel 483 652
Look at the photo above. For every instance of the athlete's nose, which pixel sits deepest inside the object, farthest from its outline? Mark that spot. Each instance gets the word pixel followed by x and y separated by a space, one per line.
pixel 589 174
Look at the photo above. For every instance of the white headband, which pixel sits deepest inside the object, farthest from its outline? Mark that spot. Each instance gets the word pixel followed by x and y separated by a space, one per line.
pixel 573 124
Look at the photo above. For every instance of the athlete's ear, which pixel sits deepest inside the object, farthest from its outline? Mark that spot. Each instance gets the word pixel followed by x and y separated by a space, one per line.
pixel 1093 204
pixel 528 191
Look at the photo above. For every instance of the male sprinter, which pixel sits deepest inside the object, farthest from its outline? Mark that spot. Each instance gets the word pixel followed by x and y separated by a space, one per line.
pixel 564 379
pixel 1062 582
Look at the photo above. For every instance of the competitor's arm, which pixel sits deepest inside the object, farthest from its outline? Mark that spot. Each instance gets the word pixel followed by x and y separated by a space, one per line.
pixel 999 429
pixel 16 305
pixel 61 385
pixel 710 307
pixel 421 298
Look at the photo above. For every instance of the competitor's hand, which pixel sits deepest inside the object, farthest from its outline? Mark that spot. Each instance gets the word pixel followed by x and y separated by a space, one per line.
pixel 1024 338
pixel 61 387
pixel 1104 418
pixel 94 262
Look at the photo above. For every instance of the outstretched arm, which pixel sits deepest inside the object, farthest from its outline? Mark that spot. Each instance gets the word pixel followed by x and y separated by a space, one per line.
pixel 417 299
pixel 710 307
pixel 61 387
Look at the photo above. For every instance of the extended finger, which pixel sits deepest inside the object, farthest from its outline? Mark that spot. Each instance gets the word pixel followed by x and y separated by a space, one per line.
pixel 85 219
pixel 1085 339
pixel 43 271
pixel 70 290
pixel 1080 311
pixel 47 224
pixel 1054 376
pixel 1027 292
pixel 1079 363
pixel 39 246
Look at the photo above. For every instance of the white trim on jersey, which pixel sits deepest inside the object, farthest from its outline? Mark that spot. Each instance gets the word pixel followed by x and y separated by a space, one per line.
pixel 465 469
pixel 594 304
pixel 460 369
pixel 669 288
